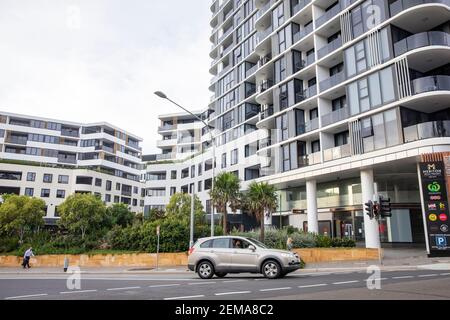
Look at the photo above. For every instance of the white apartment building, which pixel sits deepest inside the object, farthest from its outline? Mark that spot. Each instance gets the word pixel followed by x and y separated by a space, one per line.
pixel 52 159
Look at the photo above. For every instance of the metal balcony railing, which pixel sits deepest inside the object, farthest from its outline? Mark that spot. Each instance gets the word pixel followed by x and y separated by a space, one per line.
pixel 400 5
pixel 423 39
pixel 431 83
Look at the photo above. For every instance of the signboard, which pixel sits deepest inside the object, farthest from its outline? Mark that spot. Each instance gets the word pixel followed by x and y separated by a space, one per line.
pixel 436 211
pixel 157 230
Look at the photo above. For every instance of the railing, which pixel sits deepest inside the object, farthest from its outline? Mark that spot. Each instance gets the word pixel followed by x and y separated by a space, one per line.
pixel 67 160
pixel 250 89
pixel 17 140
pixel 264 9
pixel 332 81
pixel 426 130
pixel 431 38
pixel 105 148
pixel 264 85
pixel 299 6
pixel 312 125
pixel 264 143
pixel 226 34
pixel 266 113
pixel 314 158
pixel 431 83
pixel 133 145
pixel 166 127
pixel 330 47
pixel 310 59
pixel 400 5
pixel 328 15
pixel 164 156
pixel 69 133
pixel 302 33
pixel 260 36
pixel 264 60
pixel 251 71
pixel 335 116
pixel 310 92
pixel 337 153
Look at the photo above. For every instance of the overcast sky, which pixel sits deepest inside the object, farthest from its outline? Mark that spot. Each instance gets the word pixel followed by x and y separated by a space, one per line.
pixel 101 60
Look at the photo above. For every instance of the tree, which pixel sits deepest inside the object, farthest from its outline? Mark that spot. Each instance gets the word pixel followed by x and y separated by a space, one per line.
pixel 226 192
pixel 261 198
pixel 119 214
pixel 19 214
pixel 179 207
pixel 82 212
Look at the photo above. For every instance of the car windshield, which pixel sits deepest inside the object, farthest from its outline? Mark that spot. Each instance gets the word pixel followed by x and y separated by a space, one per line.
pixel 258 243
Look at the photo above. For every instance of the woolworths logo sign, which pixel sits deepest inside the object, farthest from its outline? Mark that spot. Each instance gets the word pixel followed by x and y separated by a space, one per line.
pixel 434 187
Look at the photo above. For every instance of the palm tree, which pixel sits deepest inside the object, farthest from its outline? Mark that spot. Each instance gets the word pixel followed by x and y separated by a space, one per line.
pixel 261 198
pixel 226 192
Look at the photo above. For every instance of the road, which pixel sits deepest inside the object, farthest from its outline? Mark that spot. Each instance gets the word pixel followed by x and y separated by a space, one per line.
pixel 405 284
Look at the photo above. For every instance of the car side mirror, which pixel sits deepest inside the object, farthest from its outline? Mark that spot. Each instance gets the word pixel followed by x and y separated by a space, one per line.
pixel 251 247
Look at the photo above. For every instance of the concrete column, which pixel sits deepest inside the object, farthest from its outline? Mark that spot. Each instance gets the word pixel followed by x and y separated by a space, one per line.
pixel 311 206
pixel 371 230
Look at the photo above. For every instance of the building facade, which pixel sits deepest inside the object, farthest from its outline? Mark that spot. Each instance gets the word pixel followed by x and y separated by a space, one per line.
pixel 52 159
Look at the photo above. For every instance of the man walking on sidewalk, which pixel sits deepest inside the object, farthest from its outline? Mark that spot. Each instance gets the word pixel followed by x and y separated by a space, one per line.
pixel 26 258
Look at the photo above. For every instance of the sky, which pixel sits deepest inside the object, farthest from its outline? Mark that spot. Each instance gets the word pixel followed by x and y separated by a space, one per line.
pixel 101 60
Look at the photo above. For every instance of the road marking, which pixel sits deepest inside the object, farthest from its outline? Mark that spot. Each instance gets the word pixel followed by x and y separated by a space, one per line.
pixel 229 281
pixel 28 296
pixel 164 285
pixel 427 275
pixel 260 279
pixel 185 297
pixel 346 282
pixel 403 277
pixel 445 274
pixel 126 288
pixel 227 293
pixel 77 291
pixel 376 279
pixel 194 283
pixel 313 285
pixel 318 274
pixel 275 289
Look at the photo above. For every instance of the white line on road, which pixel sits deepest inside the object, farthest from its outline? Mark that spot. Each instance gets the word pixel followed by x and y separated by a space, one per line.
pixel 230 281
pixel 427 275
pixel 126 288
pixel 194 283
pixel 313 285
pixel 445 274
pixel 346 282
pixel 403 277
pixel 28 296
pixel 185 297
pixel 164 285
pixel 227 293
pixel 78 291
pixel 275 289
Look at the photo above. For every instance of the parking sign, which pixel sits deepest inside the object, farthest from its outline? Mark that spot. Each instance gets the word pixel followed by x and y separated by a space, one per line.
pixel 441 241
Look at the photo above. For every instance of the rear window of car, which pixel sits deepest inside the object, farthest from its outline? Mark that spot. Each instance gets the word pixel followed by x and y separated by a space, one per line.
pixel 206 244
pixel 221 243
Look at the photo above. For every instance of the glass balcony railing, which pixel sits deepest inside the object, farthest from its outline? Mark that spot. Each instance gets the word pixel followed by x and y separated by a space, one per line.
pixel 328 15
pixel 264 143
pixel 431 38
pixel 332 81
pixel 400 5
pixel 251 71
pixel 260 36
pixel 431 83
pixel 310 92
pixel 17 140
pixel 264 85
pixel 266 113
pixel 164 156
pixel 426 130
pixel 330 47
pixel 337 152
pixel 302 33
pixel 299 6
pixel 250 89
pixel 312 125
pixel 225 34
pixel 264 9
pixel 264 60
pixel 63 159
pixel 166 127
pixel 335 116
pixel 314 158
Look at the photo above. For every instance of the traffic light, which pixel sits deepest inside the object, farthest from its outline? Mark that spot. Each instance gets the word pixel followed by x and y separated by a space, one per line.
pixel 385 207
pixel 368 208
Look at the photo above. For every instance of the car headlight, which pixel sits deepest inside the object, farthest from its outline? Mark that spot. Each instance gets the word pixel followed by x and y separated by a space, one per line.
pixel 287 255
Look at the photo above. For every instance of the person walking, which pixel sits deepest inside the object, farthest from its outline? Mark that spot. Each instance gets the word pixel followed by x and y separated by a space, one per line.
pixel 26 258
pixel 289 243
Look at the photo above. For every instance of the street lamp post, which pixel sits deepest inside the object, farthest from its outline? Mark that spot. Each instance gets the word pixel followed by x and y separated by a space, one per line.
pixel 164 96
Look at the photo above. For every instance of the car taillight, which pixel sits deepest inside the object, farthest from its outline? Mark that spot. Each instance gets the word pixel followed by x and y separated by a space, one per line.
pixel 191 250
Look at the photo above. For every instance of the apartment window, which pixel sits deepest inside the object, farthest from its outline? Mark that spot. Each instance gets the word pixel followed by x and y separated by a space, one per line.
pixel 224 160
pixel 118 186
pixel 286 157
pixel 341 138
pixel 299 121
pixel 199 169
pixel 136 190
pixel 282 41
pixel 108 185
pixel 184 173
pixel 191 188
pixel 135 202
pixel 141 203
pixel 234 156
pixel 282 125
pixel 84 180
pixel 107 198
pixel 208 183
pixel 315 146
pixel 247 151
pixel 48 178
pixel 160 192
pixel 338 103
pixel 251 173
pixel 173 190
pixel 61 194
pixel 280 69
pixel 192 171
pixel 45 193
pixel 173 174
pixel 336 69
pixel 313 113
pixel 31 176
pixel 278 16
pixel 98 182
pixel 29 192
pixel 63 179
pixel 284 101
pixel 116 199
pixel 199 188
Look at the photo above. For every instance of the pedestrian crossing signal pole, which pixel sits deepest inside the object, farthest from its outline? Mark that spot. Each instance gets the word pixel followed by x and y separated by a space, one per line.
pixel 157 247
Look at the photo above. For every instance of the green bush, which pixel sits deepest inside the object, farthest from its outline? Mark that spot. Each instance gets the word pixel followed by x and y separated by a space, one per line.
pixel 303 240
pixel 323 241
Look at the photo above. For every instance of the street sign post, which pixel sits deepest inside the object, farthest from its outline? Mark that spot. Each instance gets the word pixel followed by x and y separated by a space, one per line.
pixel 157 246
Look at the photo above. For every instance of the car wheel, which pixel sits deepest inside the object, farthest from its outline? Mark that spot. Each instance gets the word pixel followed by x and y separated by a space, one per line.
pixel 205 270
pixel 221 274
pixel 271 269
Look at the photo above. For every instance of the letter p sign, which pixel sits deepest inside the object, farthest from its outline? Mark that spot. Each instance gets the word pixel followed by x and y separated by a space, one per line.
pixel 441 241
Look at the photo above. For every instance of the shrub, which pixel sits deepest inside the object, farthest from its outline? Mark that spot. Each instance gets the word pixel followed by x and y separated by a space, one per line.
pixel 323 241
pixel 303 240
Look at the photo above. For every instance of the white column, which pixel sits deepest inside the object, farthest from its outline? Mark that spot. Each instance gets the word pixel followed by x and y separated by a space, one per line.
pixel 311 206
pixel 370 226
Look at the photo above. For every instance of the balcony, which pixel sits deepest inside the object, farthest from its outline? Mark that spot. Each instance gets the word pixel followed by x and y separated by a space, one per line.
pixel 264 9
pixel 264 143
pixel 332 81
pixel 251 71
pixel 419 40
pixel 264 60
pixel 266 113
pixel 312 125
pixel 300 6
pixel 330 47
pixel 265 85
pixel 330 14
pixel 302 33
pixel 314 158
pixel 261 35
pixel 17 140
pixel 335 116
pixel 164 156
pixel 63 159
pixel 400 5
pixel 426 130
pixel 167 127
pixel 69 133
pixel 431 83
pixel 250 89
pixel 337 153
pixel 309 92
pixel 225 34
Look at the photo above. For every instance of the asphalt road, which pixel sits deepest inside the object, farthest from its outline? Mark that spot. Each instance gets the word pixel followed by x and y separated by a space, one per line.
pixel 412 284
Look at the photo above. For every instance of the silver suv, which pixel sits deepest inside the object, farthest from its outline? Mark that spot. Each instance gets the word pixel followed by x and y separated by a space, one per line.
pixel 232 254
